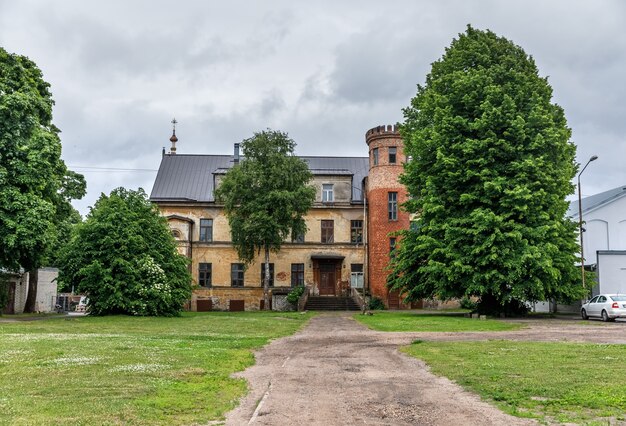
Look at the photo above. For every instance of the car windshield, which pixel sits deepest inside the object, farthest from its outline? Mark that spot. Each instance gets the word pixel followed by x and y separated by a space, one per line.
pixel 619 298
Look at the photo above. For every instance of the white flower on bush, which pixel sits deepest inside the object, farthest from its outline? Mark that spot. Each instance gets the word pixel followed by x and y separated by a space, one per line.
pixel 153 288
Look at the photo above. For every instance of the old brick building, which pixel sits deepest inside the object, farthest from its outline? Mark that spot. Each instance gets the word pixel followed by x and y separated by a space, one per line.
pixel 347 243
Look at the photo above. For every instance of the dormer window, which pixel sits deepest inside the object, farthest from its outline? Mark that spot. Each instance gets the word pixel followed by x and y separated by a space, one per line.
pixel 327 193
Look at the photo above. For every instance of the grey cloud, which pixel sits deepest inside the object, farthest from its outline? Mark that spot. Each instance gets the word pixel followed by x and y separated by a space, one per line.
pixel 325 72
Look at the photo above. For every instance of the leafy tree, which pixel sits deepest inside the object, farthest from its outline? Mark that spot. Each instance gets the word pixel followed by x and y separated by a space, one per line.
pixel 266 197
pixel 35 185
pixel 125 259
pixel 491 167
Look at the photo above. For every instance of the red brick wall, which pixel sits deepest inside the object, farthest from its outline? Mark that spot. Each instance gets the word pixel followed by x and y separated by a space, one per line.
pixel 382 179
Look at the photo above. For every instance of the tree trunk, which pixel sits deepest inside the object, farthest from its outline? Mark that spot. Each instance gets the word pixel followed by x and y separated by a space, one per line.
pixel 31 298
pixel 266 280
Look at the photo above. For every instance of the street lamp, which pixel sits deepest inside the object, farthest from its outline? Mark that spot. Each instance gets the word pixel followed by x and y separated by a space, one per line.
pixel 580 221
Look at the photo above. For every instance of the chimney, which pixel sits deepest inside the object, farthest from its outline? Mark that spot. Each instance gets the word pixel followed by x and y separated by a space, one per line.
pixel 236 157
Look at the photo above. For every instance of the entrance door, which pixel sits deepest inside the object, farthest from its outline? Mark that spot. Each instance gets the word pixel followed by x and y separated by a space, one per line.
pixel 327 279
pixel 9 309
pixel 394 300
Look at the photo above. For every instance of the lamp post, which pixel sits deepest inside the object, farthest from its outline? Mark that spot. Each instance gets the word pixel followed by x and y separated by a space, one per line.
pixel 580 221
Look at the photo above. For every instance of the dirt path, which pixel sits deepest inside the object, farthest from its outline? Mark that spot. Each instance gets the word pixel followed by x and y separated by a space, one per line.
pixel 337 372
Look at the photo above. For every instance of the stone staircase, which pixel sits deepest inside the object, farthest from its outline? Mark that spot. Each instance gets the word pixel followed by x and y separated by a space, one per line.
pixel 331 303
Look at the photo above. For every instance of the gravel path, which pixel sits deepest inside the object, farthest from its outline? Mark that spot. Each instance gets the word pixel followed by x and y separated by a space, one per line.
pixel 337 372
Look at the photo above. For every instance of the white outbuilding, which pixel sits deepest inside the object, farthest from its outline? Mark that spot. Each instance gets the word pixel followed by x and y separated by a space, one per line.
pixel 604 237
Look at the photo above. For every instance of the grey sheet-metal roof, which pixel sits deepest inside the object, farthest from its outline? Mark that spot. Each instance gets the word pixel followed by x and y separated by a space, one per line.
pixel 184 177
pixel 597 200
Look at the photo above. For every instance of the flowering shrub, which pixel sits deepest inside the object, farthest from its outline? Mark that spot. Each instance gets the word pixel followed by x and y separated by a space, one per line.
pixel 124 257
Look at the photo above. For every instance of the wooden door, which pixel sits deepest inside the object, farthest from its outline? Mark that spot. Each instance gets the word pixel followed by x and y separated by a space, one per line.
pixel 9 309
pixel 327 279
pixel 393 300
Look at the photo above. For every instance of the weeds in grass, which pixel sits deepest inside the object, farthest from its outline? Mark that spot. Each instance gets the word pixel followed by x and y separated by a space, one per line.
pixel 553 382
pixel 129 370
pixel 412 321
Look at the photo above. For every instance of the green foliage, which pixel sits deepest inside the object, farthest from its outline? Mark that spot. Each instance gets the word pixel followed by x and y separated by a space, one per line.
pixel 124 257
pixel 375 303
pixel 491 166
pixel 558 383
pixel 266 197
pixel 467 303
pixel 35 185
pixel 294 295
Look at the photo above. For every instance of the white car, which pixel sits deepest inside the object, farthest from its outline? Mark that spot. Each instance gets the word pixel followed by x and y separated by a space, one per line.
pixel 607 307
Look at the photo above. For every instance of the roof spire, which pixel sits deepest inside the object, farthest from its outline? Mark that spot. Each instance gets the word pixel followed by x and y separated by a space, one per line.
pixel 173 139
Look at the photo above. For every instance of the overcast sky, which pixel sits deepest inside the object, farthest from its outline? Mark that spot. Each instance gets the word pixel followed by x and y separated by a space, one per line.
pixel 324 72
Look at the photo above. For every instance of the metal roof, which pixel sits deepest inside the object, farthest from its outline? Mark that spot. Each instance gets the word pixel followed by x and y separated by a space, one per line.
pixel 183 177
pixel 597 200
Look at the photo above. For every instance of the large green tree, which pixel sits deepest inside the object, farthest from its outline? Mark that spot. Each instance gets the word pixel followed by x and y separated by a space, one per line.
pixel 123 256
pixel 35 185
pixel 492 163
pixel 266 197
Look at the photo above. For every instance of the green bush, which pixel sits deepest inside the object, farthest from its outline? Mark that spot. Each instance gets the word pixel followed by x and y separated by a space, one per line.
pixel 467 303
pixel 125 259
pixel 376 303
pixel 294 295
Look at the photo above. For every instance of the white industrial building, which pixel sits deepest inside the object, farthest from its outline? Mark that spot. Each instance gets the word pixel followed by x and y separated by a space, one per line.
pixel 604 237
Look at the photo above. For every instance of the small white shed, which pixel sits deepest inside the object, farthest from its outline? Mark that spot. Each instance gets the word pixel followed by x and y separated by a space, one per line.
pixel 18 290
pixel 611 272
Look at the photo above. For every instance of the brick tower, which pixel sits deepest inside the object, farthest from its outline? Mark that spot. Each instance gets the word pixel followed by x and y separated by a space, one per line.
pixel 385 195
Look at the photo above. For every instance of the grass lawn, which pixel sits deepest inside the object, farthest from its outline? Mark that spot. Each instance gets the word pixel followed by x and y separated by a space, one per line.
pixel 415 321
pixel 562 382
pixel 130 370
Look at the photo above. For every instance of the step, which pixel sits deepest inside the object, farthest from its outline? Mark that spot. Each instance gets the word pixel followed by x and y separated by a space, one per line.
pixel 329 303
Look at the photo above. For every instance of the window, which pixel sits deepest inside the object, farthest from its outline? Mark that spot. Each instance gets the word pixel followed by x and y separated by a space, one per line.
pixel 327 192
pixel 236 274
pixel 375 156
pixel 176 234
pixel 206 229
pixel 356 231
pixel 297 274
pixel 392 154
pixel 299 238
pixel 271 283
pixel 204 275
pixel 356 275
pixel 392 245
pixel 328 231
pixel 392 205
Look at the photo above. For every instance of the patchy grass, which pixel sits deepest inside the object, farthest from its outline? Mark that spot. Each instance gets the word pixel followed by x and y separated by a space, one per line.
pixel 414 321
pixel 130 370
pixel 553 382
